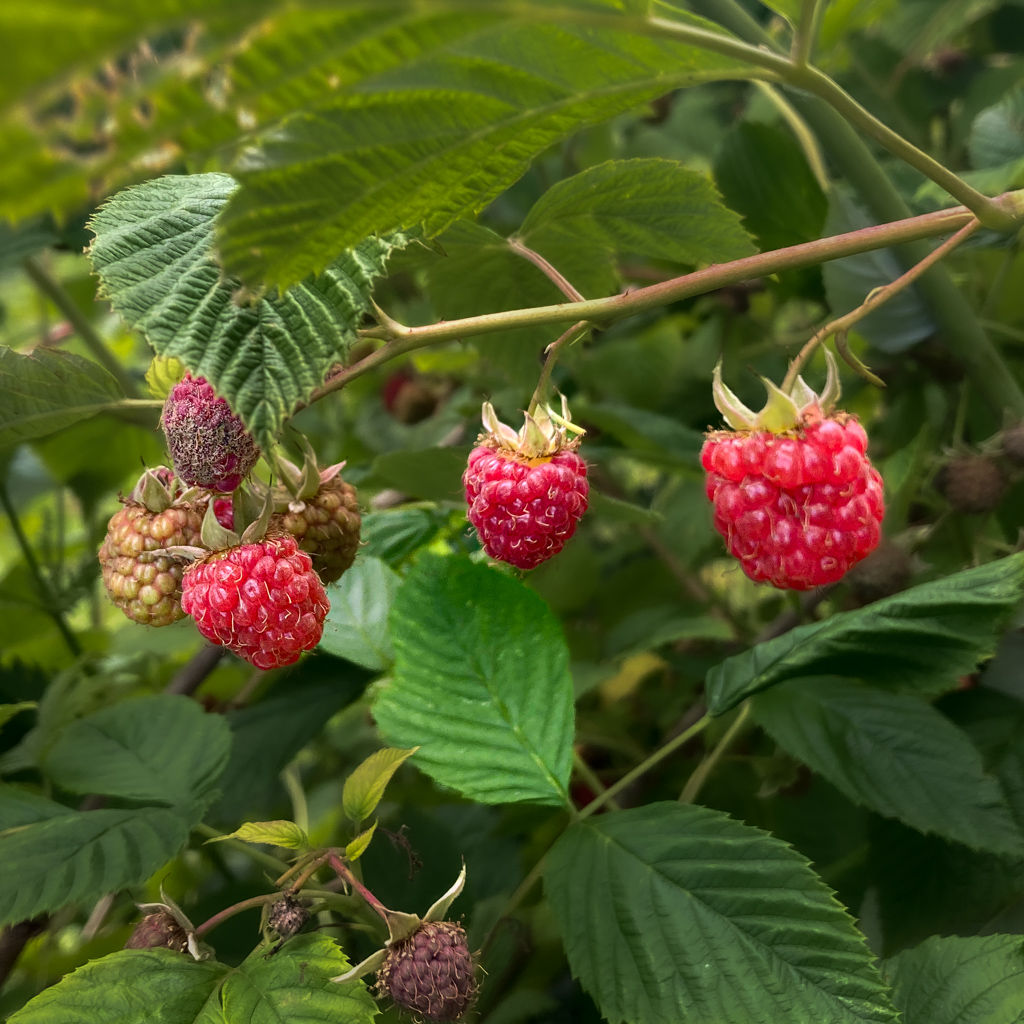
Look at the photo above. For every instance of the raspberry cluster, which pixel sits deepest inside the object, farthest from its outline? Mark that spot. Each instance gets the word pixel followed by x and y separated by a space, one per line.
pixel 263 601
pixel 524 509
pixel 797 511
pixel 327 526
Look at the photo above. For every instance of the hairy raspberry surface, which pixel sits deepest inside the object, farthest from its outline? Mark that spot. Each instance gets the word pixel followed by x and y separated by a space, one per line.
pixel 327 527
pixel 973 484
pixel 143 582
pixel 1013 444
pixel 524 511
pixel 287 916
pixel 263 601
pixel 431 972
pixel 209 444
pixel 799 511
pixel 158 931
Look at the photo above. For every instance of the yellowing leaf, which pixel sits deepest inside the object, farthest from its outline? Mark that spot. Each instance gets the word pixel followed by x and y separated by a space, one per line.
pixel 358 846
pixel 365 786
pixel 275 833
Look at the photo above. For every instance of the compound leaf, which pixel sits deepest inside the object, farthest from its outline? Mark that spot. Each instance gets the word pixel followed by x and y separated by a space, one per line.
pixel 923 639
pixel 481 683
pixel 674 912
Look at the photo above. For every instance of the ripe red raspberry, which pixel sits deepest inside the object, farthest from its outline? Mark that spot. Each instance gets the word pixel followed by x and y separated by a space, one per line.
pixel 142 579
pixel 799 504
pixel 431 972
pixel 224 511
pixel 526 492
pixel 263 601
pixel 209 444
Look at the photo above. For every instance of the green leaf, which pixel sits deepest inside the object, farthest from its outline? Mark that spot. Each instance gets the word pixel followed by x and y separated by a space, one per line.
pixel 673 912
pixel 997 133
pixel 650 207
pixel 79 855
pixel 22 807
pixel 48 390
pixel 894 754
pixel 433 474
pixel 481 682
pixel 365 787
pixel 8 711
pixel 355 849
pixel 976 980
pixel 439 139
pixel 285 834
pixel 763 174
pixel 136 986
pixel 153 252
pixel 357 624
pixel 161 749
pixel 922 640
pixel 396 533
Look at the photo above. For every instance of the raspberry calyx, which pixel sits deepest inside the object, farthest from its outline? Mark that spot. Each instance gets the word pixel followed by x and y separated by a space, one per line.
pixel 795 496
pixel 526 491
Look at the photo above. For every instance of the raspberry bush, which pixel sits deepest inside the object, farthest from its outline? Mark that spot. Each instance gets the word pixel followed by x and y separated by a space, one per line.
pixel 710 703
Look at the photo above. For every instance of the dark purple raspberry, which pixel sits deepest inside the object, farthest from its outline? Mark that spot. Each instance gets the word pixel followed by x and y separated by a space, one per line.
pixel 209 444
pixel 431 972
pixel 287 916
pixel 158 930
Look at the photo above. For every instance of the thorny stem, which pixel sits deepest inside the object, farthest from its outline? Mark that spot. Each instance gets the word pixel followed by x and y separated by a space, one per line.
pixel 875 298
pixel 589 776
pixel 707 766
pixel 42 583
pixel 54 291
pixel 345 873
pixel 555 276
pixel 401 339
pixel 577 331
pixel 228 912
pixel 646 765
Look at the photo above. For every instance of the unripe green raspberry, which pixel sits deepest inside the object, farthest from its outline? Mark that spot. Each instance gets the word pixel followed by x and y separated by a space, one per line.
pixel 326 526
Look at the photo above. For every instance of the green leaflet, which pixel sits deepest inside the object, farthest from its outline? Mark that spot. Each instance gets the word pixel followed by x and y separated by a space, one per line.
pixel 976 980
pixel 674 912
pixel 357 624
pixel 438 138
pixel 154 255
pixel 894 754
pixel 365 787
pixel 139 985
pixel 481 683
pixel 921 640
pixel 47 390
pixel 651 207
pixel 160 750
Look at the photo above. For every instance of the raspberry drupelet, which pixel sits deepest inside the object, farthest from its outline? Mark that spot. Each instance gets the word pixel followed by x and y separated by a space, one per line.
pixel 795 496
pixel 526 492
pixel 263 601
